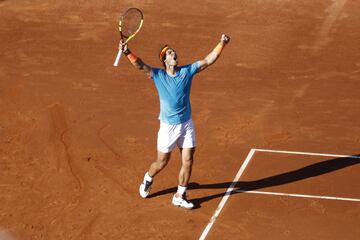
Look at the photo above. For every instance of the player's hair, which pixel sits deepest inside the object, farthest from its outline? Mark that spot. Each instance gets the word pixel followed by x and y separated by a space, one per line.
pixel 163 57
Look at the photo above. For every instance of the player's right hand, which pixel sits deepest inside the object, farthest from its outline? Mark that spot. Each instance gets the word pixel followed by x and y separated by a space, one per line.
pixel 123 46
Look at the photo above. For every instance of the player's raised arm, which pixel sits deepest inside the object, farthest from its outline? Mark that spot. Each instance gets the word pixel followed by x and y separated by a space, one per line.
pixel 135 61
pixel 214 54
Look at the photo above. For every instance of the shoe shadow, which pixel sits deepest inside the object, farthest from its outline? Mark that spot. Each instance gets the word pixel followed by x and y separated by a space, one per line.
pixel 309 171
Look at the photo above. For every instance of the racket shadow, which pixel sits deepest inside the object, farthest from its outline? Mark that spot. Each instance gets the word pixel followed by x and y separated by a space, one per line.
pixel 309 171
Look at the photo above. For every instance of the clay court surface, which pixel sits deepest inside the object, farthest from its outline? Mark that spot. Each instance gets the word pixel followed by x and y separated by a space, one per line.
pixel 77 134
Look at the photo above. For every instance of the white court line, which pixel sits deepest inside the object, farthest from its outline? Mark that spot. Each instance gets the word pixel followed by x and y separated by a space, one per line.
pixel 241 171
pixel 301 195
pixel 227 195
pixel 307 153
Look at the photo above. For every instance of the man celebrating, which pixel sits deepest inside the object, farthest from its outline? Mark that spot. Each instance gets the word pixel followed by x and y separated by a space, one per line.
pixel 173 84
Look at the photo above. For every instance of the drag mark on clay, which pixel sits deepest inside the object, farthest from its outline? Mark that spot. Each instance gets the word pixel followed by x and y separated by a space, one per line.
pixel 105 171
pixel 105 143
pixel 333 13
pixel 60 130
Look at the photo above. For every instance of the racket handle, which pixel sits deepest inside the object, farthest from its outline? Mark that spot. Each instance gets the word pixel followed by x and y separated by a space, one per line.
pixel 116 63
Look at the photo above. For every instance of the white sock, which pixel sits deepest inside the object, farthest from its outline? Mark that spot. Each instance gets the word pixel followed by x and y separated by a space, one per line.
pixel 181 190
pixel 147 177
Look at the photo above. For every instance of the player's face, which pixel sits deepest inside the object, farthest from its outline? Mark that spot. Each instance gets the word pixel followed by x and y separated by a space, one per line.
pixel 171 57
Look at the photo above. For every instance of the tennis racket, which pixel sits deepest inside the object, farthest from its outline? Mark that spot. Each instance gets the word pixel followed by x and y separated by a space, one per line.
pixel 129 25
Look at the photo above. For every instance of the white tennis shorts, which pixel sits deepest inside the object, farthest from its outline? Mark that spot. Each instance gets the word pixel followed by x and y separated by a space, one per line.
pixel 181 135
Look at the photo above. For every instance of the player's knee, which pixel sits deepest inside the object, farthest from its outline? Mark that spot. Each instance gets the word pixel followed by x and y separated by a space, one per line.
pixel 187 161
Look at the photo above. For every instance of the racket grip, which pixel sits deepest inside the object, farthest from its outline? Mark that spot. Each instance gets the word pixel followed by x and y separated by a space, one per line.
pixel 116 63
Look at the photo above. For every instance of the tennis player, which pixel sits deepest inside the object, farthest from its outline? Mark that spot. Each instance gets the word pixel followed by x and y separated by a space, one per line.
pixel 173 84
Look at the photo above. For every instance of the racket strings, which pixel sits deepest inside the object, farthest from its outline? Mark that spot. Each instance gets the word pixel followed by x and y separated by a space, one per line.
pixel 130 22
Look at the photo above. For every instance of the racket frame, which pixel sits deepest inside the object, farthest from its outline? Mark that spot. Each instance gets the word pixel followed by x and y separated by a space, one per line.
pixel 119 54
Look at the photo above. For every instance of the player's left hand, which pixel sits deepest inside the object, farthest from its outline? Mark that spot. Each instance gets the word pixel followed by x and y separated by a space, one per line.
pixel 225 39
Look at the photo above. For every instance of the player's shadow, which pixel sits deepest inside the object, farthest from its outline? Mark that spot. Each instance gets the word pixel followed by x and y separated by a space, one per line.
pixel 309 171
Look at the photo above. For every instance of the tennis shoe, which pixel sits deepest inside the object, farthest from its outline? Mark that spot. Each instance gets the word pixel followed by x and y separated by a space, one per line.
pixel 182 202
pixel 145 188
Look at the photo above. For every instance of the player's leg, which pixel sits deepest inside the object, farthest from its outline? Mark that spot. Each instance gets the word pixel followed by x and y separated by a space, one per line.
pixel 166 142
pixel 187 159
pixel 158 165
pixel 187 145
